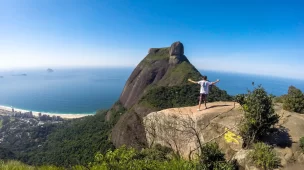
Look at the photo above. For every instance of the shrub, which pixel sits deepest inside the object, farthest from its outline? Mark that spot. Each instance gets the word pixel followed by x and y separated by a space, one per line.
pixel 211 153
pixel 302 143
pixel 6 154
pixel 294 100
pixel 212 158
pixel 240 98
pixel 158 152
pixel 128 158
pixel 14 165
pixel 264 157
pixel 259 116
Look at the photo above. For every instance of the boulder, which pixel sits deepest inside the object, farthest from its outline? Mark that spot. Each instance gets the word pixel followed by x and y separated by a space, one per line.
pixel 184 127
pixel 177 49
pixel 241 157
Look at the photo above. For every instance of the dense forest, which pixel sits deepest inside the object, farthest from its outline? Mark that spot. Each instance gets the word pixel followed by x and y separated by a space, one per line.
pixel 72 142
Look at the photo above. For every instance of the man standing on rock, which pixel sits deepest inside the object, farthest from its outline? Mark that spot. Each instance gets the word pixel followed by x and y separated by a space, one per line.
pixel 204 90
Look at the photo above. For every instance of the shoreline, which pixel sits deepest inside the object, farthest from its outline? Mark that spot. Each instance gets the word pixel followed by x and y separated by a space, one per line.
pixel 8 110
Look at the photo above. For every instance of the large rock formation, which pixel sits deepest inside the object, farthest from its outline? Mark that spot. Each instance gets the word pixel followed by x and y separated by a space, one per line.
pixel 184 129
pixel 180 129
pixel 162 67
pixel 177 49
pixel 155 69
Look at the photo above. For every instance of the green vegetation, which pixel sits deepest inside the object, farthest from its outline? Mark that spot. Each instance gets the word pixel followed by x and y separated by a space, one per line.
pixel 162 53
pixel 157 158
pixel 302 144
pixel 73 143
pixel 15 165
pixel 6 154
pixel 240 98
pixel 212 158
pixel 180 96
pixel 160 158
pixel 179 74
pixel 115 113
pixel 159 55
pixel 294 100
pixel 264 157
pixel 259 116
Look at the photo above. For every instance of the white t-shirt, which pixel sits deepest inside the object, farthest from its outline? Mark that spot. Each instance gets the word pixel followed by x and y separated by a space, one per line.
pixel 204 86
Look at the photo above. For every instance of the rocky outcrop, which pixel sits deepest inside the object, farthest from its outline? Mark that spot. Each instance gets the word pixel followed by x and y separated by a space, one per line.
pixel 184 128
pixel 157 69
pixel 176 53
pixel 177 49
pixel 180 129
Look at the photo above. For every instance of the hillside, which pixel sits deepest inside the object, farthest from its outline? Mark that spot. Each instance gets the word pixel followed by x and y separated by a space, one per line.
pixel 159 81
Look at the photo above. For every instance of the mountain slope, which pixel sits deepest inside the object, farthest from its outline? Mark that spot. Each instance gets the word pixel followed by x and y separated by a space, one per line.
pixel 159 81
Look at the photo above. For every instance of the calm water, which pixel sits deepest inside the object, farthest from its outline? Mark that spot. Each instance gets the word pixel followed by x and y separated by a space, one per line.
pixel 87 90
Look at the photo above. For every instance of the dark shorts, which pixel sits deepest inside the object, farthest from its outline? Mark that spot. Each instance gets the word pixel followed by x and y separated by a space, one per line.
pixel 203 96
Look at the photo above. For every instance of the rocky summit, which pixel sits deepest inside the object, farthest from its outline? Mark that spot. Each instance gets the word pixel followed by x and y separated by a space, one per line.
pixel 162 67
pixel 159 67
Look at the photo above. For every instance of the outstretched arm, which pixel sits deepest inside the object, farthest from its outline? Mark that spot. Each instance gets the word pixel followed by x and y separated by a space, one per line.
pixel 213 83
pixel 190 80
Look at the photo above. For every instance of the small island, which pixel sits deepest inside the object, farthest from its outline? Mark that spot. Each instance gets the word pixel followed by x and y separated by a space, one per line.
pixel 50 70
pixel 19 74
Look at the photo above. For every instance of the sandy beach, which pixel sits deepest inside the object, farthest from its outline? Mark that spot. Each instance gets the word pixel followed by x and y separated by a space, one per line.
pixel 5 109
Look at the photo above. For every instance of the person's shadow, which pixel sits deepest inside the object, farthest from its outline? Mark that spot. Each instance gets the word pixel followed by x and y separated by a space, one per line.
pixel 278 137
pixel 217 106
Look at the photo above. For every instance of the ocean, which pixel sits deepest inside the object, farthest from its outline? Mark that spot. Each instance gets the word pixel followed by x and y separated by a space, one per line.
pixel 85 90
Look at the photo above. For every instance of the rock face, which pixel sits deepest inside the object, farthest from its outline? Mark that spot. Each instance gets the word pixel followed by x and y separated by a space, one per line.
pixel 157 69
pixel 181 128
pixel 176 128
pixel 176 53
pixel 177 49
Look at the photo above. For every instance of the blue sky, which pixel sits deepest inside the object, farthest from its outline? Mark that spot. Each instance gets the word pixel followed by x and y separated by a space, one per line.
pixel 259 37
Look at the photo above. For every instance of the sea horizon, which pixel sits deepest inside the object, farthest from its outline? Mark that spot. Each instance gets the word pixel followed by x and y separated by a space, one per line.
pixel 84 90
pixel 3 70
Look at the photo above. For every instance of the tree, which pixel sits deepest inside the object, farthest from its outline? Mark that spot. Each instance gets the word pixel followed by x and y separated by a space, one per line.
pixel 294 100
pixel 259 116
